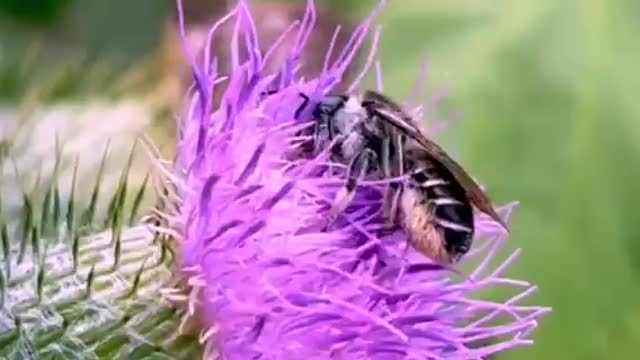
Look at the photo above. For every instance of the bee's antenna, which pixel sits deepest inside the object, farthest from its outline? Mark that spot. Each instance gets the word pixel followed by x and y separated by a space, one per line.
pixel 305 102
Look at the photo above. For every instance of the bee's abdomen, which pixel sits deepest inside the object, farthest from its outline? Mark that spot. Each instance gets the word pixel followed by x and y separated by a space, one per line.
pixel 452 211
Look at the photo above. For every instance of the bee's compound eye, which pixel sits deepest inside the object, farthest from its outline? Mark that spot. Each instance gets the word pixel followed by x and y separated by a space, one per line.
pixel 325 109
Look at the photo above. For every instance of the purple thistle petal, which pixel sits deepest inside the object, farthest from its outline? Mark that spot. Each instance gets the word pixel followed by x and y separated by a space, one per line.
pixel 264 281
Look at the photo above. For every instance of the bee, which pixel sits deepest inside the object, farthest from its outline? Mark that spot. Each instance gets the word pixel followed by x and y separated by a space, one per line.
pixel 375 138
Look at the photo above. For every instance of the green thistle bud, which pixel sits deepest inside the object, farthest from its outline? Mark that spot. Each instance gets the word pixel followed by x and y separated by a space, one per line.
pixel 81 276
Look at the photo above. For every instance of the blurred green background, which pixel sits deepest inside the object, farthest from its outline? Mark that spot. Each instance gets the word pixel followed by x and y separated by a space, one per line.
pixel 547 90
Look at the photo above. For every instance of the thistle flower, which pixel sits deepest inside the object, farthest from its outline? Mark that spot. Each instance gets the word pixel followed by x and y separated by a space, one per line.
pixel 275 17
pixel 263 281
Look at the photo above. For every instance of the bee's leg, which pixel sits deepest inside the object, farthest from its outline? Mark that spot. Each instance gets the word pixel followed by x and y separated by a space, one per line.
pixel 390 207
pixel 332 136
pixel 399 143
pixel 389 189
pixel 358 168
pixel 394 190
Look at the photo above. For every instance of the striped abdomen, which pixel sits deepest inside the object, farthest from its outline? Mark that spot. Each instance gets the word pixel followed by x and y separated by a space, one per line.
pixel 445 208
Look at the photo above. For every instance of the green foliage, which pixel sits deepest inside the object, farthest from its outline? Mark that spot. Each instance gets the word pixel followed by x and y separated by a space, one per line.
pixel 547 90
pixel 76 283
pixel 23 78
pixel 33 11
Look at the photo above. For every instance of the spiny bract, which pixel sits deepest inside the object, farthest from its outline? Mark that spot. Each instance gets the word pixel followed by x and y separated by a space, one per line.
pixel 77 282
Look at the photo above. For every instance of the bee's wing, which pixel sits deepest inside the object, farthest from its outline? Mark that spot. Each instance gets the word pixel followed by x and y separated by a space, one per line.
pixel 382 100
pixel 393 114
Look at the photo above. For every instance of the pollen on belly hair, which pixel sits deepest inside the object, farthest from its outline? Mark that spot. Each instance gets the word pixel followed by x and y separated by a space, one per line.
pixel 423 235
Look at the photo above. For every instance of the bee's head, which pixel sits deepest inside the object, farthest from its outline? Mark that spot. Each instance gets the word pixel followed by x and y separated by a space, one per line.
pixel 342 110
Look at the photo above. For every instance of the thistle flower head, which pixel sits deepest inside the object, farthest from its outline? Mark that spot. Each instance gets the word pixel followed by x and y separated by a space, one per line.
pixel 264 281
